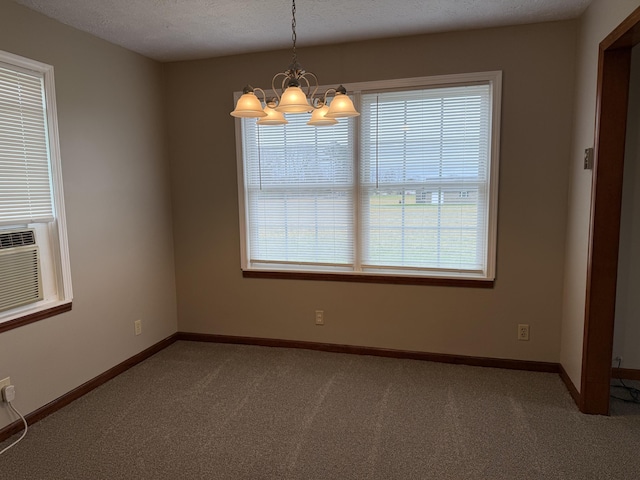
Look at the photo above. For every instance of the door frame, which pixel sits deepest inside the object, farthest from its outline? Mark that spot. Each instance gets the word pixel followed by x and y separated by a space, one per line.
pixel 614 68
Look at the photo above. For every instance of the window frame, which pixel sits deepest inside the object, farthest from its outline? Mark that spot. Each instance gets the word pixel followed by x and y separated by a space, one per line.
pixel 56 230
pixel 405 276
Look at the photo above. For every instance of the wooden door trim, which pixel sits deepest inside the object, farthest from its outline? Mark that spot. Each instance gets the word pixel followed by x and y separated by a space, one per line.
pixel 614 65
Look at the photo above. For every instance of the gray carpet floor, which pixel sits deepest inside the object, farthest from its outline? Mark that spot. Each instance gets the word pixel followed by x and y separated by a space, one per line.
pixel 211 411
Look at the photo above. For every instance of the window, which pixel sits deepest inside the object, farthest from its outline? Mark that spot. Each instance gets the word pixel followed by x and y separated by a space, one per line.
pixel 407 189
pixel 35 279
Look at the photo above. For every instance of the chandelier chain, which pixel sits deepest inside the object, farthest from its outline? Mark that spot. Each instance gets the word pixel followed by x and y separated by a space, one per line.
pixel 293 30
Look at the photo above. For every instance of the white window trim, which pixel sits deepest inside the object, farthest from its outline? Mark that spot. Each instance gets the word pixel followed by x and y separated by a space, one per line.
pixel 58 228
pixel 494 78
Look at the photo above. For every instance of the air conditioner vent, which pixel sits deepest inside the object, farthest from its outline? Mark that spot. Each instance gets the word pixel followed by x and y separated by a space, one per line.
pixel 20 276
pixel 14 239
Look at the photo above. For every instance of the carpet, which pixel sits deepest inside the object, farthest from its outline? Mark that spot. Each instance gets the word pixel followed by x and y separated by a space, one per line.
pixel 216 411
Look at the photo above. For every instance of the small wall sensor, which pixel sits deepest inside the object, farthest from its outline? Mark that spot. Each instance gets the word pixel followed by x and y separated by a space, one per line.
pixel 588 158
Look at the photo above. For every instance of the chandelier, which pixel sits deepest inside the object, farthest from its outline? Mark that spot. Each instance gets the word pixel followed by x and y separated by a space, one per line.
pixel 299 94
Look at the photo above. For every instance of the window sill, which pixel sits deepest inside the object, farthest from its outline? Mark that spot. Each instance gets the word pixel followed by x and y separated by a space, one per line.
pixel 34 317
pixel 364 278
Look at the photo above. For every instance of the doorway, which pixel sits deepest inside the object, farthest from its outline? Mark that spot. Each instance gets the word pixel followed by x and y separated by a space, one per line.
pixel 625 396
pixel 614 65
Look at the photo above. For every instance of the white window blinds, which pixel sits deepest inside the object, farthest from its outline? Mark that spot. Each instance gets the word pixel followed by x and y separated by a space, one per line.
pixel 25 180
pixel 299 192
pixel 423 173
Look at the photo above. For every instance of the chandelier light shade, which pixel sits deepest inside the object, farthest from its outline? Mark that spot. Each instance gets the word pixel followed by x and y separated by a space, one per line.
pixel 341 106
pixel 293 100
pixel 273 116
pixel 297 93
pixel 248 105
pixel 318 117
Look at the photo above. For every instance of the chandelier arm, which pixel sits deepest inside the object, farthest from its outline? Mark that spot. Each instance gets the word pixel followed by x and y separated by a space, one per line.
pixel 311 94
pixel 324 99
pixel 264 95
pixel 273 84
pixel 286 79
pixel 308 86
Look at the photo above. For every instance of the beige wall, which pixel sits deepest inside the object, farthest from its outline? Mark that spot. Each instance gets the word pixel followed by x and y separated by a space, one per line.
pixel 117 196
pixel 627 328
pixel 538 65
pixel 596 23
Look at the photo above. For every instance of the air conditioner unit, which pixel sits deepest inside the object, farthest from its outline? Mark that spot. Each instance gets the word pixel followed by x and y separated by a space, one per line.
pixel 20 277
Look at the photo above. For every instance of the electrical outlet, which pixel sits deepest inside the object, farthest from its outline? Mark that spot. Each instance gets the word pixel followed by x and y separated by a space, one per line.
pixel 4 382
pixel 523 332
pixel 319 317
pixel 138 326
pixel 8 393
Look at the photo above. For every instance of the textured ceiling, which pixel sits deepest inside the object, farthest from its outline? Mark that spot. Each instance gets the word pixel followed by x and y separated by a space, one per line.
pixel 168 30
